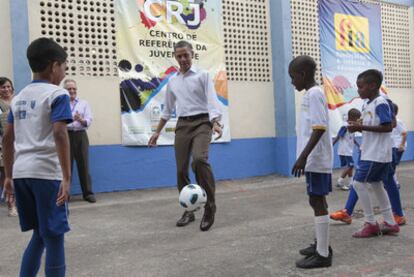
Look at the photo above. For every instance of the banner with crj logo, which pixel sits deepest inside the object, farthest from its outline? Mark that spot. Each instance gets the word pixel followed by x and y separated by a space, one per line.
pixel 146 33
pixel 351 42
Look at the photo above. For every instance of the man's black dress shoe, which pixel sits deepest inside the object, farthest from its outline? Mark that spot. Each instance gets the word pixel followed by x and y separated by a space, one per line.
pixel 185 219
pixel 90 198
pixel 208 217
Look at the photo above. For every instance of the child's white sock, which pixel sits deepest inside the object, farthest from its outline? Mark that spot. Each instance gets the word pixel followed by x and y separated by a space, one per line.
pixel 384 202
pixel 322 235
pixel 363 194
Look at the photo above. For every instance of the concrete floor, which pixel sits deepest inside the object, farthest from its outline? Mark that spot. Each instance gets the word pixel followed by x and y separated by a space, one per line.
pixel 260 225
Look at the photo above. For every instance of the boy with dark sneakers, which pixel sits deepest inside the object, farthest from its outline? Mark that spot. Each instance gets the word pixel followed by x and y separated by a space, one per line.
pixel 314 150
pixel 376 154
pixel 37 159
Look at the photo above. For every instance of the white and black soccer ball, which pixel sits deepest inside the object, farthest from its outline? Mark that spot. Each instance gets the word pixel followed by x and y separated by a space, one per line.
pixel 192 197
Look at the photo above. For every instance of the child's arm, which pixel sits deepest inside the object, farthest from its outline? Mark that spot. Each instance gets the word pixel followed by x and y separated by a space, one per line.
pixel 403 141
pixel 61 137
pixel 356 143
pixel 357 127
pixel 341 134
pixel 335 140
pixel 299 167
pixel 8 159
pixel 386 119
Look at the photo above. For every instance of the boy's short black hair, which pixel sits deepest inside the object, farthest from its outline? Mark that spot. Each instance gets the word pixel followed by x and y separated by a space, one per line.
pixel 44 51
pixel 183 43
pixel 372 76
pixel 4 80
pixel 303 63
pixel 354 113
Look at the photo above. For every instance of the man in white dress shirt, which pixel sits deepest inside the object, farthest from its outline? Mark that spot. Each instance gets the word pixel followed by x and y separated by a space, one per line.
pixel 191 91
pixel 79 142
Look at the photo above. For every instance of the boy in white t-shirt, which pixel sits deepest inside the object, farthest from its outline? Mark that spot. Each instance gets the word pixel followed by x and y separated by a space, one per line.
pixel 346 148
pixel 36 158
pixel 376 154
pixel 399 140
pixel 314 151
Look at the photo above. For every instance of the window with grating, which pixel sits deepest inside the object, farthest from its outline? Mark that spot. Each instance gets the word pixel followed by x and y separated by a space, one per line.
pixel 396 44
pixel 305 30
pixel 395 38
pixel 86 29
pixel 246 40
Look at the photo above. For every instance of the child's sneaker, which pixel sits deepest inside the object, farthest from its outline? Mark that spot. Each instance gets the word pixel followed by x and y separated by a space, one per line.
pixel 13 212
pixel 388 229
pixel 308 251
pixel 401 220
pixel 346 187
pixel 339 182
pixel 341 215
pixel 315 261
pixel 368 230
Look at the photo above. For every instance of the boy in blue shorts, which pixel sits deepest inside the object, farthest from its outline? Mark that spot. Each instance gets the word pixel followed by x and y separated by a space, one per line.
pixel 376 154
pixel 40 174
pixel 399 141
pixel 391 185
pixel 314 150
pixel 346 149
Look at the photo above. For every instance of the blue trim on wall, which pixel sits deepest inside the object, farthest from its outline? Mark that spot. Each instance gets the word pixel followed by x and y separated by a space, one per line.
pixel 281 57
pixel 285 108
pixel 19 19
pixel 285 155
pixel 116 167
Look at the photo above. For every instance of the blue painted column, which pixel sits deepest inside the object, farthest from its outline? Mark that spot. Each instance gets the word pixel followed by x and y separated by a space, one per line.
pixel 19 18
pixel 283 91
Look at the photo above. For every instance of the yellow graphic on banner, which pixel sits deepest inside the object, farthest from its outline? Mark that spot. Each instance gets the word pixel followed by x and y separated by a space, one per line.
pixel 352 33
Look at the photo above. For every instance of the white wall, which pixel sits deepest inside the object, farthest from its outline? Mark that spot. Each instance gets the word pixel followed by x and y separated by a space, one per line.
pixel 104 98
pixel 252 110
pixel 6 53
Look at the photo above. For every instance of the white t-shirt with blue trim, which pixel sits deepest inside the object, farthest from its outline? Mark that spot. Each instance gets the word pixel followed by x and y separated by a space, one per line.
pixel 376 147
pixel 314 115
pixel 33 112
pixel 396 134
pixel 346 141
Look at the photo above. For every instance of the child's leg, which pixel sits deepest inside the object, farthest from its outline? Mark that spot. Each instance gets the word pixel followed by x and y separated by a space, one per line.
pixel 351 201
pixel 32 256
pixel 384 202
pixel 350 170
pixel 344 173
pixel 320 208
pixel 393 193
pixel 363 194
pixel 55 256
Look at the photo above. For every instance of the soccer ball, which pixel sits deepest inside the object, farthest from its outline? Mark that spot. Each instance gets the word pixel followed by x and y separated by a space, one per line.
pixel 192 197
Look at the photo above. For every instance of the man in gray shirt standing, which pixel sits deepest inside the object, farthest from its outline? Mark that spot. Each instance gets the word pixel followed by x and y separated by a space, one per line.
pixel 191 91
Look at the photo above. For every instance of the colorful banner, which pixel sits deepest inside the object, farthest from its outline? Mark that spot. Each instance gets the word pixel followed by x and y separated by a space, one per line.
pixel 146 33
pixel 350 42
